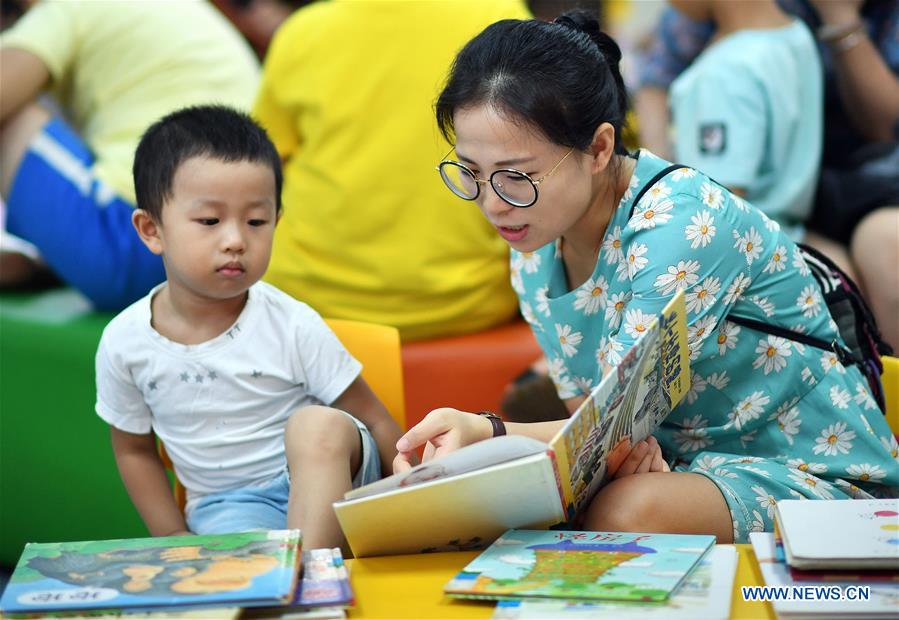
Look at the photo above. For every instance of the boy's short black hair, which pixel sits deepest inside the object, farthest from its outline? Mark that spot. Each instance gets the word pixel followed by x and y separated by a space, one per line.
pixel 212 131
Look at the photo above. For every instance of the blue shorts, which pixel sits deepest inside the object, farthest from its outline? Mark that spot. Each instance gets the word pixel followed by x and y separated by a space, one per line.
pixel 80 225
pixel 264 507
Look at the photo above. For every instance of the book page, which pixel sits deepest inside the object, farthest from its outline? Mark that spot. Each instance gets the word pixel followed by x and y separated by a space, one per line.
pixel 470 458
pixel 626 407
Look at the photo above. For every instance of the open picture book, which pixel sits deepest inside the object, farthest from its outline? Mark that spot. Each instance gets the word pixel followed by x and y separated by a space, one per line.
pixel 467 499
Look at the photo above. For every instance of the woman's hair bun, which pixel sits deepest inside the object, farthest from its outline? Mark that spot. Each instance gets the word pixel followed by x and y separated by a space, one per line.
pixel 585 22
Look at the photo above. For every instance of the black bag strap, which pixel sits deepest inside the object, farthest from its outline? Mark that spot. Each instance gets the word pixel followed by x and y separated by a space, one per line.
pixel 843 353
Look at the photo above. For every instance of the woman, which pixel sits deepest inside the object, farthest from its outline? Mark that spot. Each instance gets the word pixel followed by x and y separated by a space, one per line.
pixel 535 110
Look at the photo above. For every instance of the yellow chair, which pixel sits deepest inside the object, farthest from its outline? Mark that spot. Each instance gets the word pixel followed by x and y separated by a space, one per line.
pixel 890 380
pixel 377 347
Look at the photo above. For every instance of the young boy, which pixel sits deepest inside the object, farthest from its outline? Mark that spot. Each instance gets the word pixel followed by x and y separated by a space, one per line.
pixel 260 407
pixel 748 111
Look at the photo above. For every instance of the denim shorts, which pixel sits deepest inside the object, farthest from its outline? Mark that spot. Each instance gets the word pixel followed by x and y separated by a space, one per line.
pixel 264 506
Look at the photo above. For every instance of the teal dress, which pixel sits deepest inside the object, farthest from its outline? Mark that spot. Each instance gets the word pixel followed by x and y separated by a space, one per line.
pixel 766 418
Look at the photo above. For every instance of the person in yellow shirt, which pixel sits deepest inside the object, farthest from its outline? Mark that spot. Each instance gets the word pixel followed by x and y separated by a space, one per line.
pixel 112 68
pixel 369 232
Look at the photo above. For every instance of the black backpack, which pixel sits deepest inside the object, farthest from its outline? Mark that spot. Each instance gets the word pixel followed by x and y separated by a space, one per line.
pixel 855 322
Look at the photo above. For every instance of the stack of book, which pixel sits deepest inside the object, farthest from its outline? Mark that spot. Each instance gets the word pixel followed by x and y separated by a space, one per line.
pixel 180 576
pixel 837 558
pixel 560 574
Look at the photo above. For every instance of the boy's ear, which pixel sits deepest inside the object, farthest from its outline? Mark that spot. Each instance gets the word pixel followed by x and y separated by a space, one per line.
pixel 603 147
pixel 148 230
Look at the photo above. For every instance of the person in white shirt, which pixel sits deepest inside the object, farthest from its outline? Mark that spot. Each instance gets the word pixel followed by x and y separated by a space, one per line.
pixel 260 407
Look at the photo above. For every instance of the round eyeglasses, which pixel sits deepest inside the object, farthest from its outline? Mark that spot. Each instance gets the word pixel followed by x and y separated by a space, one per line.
pixel 514 186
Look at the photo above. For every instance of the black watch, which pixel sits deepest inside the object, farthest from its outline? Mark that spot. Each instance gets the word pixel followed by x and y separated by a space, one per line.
pixel 498 427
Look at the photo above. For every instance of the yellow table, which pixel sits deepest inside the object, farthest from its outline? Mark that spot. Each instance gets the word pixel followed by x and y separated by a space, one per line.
pixel 411 586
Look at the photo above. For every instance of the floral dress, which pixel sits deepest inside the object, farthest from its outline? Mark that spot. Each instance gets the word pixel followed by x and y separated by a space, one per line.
pixel 766 418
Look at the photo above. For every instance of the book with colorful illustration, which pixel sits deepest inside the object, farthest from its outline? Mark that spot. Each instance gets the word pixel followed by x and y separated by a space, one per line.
pixel 226 570
pixel 467 498
pixel 705 593
pixel 581 565
pixel 840 534
pixel 820 599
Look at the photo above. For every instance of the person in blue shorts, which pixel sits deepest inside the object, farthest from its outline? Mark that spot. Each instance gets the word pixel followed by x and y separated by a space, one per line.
pixel 535 112
pixel 81 81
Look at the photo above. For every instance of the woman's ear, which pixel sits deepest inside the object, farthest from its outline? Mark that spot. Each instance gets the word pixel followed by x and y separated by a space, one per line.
pixel 148 231
pixel 602 148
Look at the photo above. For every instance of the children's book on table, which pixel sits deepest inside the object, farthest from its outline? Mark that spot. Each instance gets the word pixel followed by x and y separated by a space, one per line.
pixel 820 599
pixel 581 565
pixel 705 594
pixel 466 499
pixel 144 574
pixel 840 534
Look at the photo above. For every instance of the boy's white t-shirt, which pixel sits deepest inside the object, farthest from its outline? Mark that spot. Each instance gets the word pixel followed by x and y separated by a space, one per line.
pixel 221 406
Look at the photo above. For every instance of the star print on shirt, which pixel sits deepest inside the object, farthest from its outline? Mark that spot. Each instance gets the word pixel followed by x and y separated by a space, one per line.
pixel 212 376
pixel 198 378
pixel 152 385
pixel 185 377
pixel 234 329
pixel 257 374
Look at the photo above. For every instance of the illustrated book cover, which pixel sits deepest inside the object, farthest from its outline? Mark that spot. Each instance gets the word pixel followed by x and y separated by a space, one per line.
pixel 581 565
pixel 245 569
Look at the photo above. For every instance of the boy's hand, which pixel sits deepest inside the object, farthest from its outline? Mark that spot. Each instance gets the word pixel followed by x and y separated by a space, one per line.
pixel 645 456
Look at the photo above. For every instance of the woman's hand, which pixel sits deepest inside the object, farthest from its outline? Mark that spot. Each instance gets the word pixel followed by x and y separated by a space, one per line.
pixel 441 432
pixel 645 456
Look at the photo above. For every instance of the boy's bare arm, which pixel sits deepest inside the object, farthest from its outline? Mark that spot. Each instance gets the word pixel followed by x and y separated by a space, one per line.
pixel 24 76
pixel 361 402
pixel 148 486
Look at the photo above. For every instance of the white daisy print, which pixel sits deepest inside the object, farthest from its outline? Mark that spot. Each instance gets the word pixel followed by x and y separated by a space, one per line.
pixel 515 278
pixel 655 213
pixel 635 260
pixel 530 261
pixel 830 361
pixel 811 483
pixel 697 387
pixel 739 202
pixel 866 471
pixel 528 313
pixel 637 322
pixel 708 462
pixel 840 397
pixel 584 384
pixel 568 339
pixel 657 193
pixel 694 436
pixel 697 333
pixel 737 288
pixel 565 387
pixel 770 224
pixel 863 397
pixel 778 260
pixel 801 465
pixel 809 301
pixel 808 377
pixel 748 409
pixel 724 473
pixel 889 444
pixel 683 173
pixel 763 304
pixel 678 277
pixel 851 490
pixel 609 351
pixel 754 470
pixel 702 296
pixel 634 183
pixel 701 231
pixel 711 195
pixel 757 524
pixel 746 459
pixel 788 420
pixel 834 440
pixel 718 381
pixel 799 263
pixel 749 243
pixel 615 308
pixel 611 247
pixel 542 300
pixel 766 501
pixel 591 296
pixel 774 353
pixel 748 437
pixel 727 336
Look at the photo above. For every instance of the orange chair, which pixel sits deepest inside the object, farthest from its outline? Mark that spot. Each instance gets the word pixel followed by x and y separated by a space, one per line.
pixel 466 372
pixel 377 347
